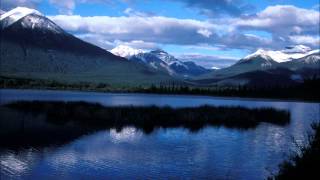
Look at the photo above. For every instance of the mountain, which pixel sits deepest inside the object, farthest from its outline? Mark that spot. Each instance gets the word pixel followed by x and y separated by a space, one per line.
pixel 288 54
pixel 32 46
pixel 297 49
pixel 266 78
pixel 292 58
pixel 161 61
pixel 311 61
pixel 265 67
pixel 260 78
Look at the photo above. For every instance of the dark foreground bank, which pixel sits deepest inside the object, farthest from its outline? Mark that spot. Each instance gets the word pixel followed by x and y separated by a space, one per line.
pixel 305 165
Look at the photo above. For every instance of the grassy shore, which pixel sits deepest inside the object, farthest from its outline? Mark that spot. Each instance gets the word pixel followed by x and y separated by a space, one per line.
pixel 41 124
pixel 305 165
pixel 148 118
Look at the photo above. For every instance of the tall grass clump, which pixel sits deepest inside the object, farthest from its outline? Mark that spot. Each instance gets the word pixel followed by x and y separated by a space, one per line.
pixel 150 117
pixel 305 165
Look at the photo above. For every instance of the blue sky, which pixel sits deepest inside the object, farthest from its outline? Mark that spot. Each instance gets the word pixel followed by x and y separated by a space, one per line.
pixel 220 29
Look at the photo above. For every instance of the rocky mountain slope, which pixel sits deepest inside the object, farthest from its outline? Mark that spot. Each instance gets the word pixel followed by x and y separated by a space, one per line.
pixel 32 46
pixel 295 63
pixel 161 61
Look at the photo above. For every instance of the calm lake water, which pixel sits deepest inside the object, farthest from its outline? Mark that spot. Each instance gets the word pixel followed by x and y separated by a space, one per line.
pixel 212 152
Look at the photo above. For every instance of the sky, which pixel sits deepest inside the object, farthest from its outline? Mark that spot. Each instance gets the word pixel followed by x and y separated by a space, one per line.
pixel 209 32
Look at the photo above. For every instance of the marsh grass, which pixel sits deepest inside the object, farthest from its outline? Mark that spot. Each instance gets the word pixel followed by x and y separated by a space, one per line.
pixel 46 123
pixel 151 117
pixel 304 165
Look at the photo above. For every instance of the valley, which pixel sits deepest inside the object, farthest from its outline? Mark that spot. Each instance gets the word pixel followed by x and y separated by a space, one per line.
pixel 34 47
pixel 159 89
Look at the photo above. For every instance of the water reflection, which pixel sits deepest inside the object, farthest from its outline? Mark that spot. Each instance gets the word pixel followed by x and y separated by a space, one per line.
pixel 127 134
pixel 166 153
pixel 12 165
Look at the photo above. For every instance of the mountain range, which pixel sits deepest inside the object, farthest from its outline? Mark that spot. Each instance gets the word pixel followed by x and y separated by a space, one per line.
pixel 32 46
pixel 160 60
pixel 292 64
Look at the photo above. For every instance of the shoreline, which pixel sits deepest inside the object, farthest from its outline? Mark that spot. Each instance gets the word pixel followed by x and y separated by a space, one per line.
pixel 130 92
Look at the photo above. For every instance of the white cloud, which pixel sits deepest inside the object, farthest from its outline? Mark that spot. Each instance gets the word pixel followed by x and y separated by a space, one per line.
pixel 287 24
pixel 107 44
pixel 205 32
pixel 149 29
pixel 310 40
pixel 282 19
pixel 138 44
pixel 132 12
pixel 157 29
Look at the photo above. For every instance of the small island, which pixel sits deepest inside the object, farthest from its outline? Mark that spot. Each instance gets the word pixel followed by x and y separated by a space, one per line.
pixel 41 123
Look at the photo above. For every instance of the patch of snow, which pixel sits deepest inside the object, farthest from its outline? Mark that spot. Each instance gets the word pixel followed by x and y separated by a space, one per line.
pixel 33 19
pixel 312 59
pixel 297 49
pixel 295 52
pixel 164 56
pixel 317 51
pixel 260 52
pixel 153 65
pixel 214 68
pixel 169 70
pixel 16 14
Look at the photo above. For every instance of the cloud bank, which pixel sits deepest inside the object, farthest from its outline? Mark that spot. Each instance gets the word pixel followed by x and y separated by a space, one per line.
pixel 230 24
pixel 287 24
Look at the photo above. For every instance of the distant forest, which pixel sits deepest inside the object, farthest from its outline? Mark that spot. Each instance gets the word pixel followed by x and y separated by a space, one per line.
pixel 307 90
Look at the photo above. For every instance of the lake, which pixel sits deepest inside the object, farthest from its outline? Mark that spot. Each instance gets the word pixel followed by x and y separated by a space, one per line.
pixel 129 153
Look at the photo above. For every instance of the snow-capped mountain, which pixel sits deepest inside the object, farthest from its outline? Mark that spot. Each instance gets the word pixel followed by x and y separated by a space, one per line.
pixel 164 56
pixel 297 49
pixel 28 26
pixel 15 15
pixel 291 53
pixel 29 19
pixel 34 47
pixel 294 58
pixel 126 51
pixel 160 61
pixel 310 61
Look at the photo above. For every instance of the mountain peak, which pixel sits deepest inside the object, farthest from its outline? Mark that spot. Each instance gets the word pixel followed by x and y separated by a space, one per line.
pixel 259 53
pixel 290 53
pixel 125 51
pixel 15 15
pixel 297 49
